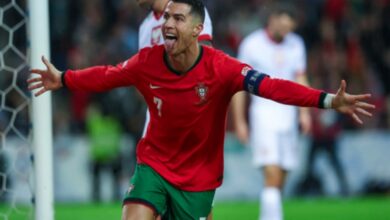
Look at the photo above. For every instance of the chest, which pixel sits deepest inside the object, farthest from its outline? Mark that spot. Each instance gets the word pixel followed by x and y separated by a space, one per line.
pixel 276 60
pixel 181 96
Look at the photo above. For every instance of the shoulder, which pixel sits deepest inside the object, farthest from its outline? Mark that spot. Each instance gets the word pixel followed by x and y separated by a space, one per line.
pixel 295 39
pixel 252 38
pixel 212 58
pixel 210 53
pixel 255 35
pixel 217 59
pixel 251 43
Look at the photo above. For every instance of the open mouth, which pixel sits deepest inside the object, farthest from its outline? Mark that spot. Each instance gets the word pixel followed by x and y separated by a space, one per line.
pixel 170 37
pixel 170 40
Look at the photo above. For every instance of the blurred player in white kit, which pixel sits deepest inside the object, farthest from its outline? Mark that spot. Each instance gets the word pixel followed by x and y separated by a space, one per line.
pixel 274 127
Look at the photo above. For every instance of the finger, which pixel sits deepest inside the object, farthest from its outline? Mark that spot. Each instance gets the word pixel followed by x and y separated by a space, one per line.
pixel 46 62
pixel 356 118
pixel 361 96
pixel 364 112
pixel 35 86
pixel 33 80
pixel 40 92
pixel 365 105
pixel 343 86
pixel 37 71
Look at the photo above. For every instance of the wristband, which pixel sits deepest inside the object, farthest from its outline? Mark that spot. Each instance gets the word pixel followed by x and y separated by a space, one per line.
pixel 63 79
pixel 328 100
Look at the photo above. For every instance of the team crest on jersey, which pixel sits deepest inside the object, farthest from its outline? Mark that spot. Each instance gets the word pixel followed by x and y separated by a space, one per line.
pixel 156 35
pixel 202 91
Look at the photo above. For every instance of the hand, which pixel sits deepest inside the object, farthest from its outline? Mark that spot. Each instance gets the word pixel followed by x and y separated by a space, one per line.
pixel 50 79
pixel 352 105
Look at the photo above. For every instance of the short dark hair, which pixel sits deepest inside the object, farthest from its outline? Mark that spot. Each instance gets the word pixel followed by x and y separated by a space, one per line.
pixel 197 7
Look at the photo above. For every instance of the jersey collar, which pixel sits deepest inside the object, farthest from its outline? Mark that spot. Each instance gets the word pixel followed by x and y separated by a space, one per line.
pixel 192 67
pixel 269 36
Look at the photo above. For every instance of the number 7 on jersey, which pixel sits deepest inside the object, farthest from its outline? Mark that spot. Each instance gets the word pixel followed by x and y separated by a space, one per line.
pixel 158 103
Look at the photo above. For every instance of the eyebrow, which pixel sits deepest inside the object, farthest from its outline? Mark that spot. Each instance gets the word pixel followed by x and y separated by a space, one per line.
pixel 179 15
pixel 176 14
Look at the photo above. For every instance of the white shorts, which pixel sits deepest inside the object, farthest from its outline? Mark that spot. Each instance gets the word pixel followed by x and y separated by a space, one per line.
pixel 274 148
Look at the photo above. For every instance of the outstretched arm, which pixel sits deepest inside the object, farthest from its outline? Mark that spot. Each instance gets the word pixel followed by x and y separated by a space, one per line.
pixel 291 93
pixel 93 79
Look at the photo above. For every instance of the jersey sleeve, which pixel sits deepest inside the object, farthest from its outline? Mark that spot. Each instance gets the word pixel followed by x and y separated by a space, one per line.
pixel 102 78
pixel 283 91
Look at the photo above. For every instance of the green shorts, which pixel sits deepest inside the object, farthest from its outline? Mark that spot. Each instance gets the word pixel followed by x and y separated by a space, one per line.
pixel 149 188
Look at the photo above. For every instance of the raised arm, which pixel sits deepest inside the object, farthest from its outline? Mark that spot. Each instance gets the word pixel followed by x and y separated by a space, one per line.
pixel 93 79
pixel 291 93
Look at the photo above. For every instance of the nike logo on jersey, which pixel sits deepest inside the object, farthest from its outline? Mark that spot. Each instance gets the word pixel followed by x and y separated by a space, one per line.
pixel 154 87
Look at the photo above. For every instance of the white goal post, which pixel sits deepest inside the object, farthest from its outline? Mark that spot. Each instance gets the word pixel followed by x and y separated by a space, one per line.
pixel 38 26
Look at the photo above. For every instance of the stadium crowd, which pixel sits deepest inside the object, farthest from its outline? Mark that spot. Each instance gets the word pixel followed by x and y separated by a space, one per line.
pixel 344 39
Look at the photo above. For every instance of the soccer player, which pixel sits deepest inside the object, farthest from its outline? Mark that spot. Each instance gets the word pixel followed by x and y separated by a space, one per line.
pixel 274 129
pixel 150 33
pixel 188 88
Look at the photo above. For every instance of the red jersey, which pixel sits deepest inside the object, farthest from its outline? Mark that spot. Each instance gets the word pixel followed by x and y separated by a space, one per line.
pixel 185 136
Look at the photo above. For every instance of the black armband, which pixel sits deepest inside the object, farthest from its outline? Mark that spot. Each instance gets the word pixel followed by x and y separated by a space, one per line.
pixel 253 80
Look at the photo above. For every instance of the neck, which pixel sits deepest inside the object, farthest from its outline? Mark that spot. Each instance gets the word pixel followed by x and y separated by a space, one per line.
pixel 272 36
pixel 159 6
pixel 182 62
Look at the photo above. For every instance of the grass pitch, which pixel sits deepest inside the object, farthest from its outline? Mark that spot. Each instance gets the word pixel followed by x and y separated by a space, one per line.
pixel 377 208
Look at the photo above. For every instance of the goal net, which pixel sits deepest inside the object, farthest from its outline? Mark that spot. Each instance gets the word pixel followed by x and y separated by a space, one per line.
pixel 25 188
pixel 15 146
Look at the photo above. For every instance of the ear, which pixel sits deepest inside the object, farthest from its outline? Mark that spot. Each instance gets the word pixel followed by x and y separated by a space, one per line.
pixel 198 28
